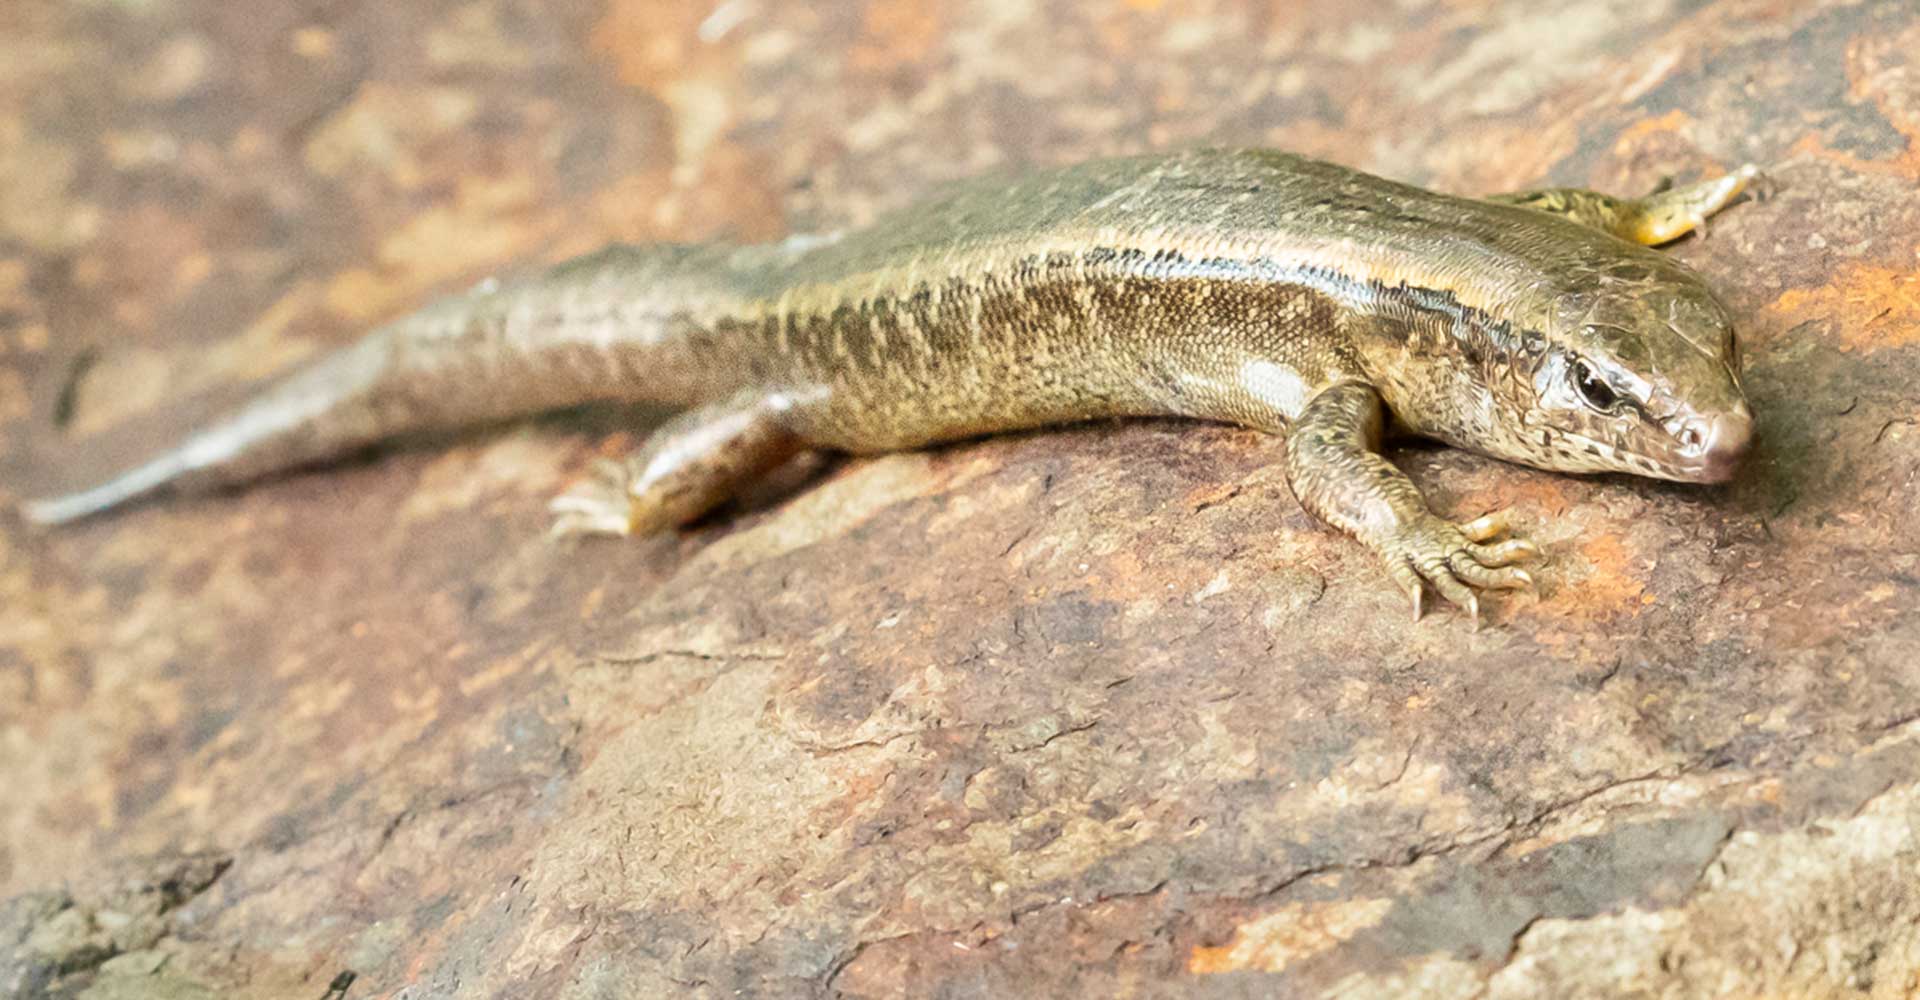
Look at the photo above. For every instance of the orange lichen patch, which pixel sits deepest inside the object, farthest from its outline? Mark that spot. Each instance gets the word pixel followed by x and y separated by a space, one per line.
pixel 1210 495
pixel 1528 499
pixel 896 35
pixel 652 43
pixel 1288 935
pixel 1905 166
pixel 1633 135
pixel 1612 585
pixel 1124 576
pixel 1873 307
pixel 679 51
pixel 860 781
pixel 1767 791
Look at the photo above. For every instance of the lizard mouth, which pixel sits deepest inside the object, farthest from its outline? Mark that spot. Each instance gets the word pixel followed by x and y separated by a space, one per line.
pixel 1694 449
pixel 1670 463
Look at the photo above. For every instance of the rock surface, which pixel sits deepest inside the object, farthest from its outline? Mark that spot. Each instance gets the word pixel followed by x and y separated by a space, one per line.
pixel 1093 712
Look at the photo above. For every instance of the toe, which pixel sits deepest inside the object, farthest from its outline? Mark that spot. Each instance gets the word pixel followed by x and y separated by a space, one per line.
pixel 1408 581
pixel 574 523
pixel 1503 554
pixel 595 507
pixel 1457 560
pixel 575 502
pixel 1496 578
pixel 1441 576
pixel 1486 527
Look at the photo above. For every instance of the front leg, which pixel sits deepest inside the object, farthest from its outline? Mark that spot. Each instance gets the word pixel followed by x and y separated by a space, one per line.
pixel 1336 471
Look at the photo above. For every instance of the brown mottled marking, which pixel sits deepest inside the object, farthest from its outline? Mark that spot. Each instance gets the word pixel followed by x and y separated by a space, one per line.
pixel 1245 286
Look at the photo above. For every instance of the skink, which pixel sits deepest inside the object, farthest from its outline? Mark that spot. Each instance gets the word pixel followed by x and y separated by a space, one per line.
pixel 1245 286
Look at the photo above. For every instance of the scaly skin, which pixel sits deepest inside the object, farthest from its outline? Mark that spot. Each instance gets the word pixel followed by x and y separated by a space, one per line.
pixel 1250 287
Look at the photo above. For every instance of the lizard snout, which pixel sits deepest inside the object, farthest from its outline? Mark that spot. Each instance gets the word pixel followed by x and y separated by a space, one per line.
pixel 1716 444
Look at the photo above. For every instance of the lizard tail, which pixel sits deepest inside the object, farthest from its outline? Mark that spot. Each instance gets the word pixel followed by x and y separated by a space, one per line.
pixel 491 355
pixel 316 413
pixel 128 485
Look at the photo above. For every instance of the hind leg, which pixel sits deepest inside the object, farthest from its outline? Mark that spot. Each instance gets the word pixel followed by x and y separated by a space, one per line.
pixel 685 468
pixel 1660 217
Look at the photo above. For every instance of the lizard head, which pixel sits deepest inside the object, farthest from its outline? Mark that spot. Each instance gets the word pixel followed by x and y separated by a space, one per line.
pixel 1638 371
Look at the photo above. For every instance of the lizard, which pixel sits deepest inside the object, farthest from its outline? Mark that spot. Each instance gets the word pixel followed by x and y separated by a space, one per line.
pixel 1246 286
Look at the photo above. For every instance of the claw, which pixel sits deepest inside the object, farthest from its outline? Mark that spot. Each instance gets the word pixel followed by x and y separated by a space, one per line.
pixel 1453 561
pixel 1409 583
pixel 1486 527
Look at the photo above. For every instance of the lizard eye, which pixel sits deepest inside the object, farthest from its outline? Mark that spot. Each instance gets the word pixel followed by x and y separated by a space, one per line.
pixel 1593 389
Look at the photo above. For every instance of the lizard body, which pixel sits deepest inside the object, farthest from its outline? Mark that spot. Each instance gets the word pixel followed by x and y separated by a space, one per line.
pixel 1250 287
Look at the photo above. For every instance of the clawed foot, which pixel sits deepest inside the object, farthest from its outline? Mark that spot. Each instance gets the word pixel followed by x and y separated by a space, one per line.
pixel 1670 213
pixel 1456 558
pixel 599 505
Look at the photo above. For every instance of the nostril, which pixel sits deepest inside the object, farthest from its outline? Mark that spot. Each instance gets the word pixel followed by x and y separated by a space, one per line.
pixel 1724 440
pixel 1690 438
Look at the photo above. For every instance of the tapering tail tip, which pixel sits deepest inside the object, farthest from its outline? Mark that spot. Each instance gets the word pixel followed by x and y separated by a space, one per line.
pixel 60 510
pixel 135 483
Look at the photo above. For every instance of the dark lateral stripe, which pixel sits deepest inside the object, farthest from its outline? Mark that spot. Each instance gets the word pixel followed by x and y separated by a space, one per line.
pixel 1478 336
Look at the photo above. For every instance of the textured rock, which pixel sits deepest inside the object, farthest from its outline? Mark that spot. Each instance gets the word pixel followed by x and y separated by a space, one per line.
pixel 1092 712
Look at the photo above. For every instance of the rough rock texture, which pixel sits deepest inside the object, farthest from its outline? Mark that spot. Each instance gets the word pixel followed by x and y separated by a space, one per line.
pixel 1095 712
